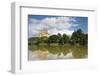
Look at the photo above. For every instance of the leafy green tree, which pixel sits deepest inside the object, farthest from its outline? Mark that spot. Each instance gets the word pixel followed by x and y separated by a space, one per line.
pixel 79 37
pixel 33 40
pixel 59 35
pixel 65 38
pixel 84 40
pixel 53 39
pixel 43 39
pixel 60 40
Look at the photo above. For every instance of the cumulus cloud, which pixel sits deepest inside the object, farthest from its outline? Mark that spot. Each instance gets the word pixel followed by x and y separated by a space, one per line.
pixel 53 25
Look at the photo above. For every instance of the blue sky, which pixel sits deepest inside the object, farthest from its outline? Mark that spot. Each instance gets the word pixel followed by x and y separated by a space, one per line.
pixel 56 24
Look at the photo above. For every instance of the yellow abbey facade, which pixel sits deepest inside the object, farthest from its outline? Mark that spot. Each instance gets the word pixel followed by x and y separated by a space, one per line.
pixel 44 34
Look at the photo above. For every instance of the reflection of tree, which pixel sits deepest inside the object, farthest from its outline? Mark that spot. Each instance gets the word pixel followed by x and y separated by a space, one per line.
pixel 79 51
pixel 54 49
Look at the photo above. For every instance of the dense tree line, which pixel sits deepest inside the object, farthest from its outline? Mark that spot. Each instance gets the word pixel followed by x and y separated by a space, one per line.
pixel 78 37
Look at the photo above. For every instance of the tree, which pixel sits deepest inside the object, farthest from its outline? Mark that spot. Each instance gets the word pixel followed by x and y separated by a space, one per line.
pixel 53 39
pixel 59 35
pixel 65 38
pixel 43 39
pixel 33 40
pixel 73 37
pixel 79 37
pixel 84 40
pixel 60 40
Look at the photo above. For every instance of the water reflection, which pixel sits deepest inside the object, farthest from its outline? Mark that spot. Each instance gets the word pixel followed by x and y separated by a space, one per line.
pixel 45 52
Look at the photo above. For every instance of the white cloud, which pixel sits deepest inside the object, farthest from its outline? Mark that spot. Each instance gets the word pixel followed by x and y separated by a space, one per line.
pixel 54 25
pixel 55 31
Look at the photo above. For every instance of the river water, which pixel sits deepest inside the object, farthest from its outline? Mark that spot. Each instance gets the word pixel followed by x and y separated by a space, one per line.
pixel 45 52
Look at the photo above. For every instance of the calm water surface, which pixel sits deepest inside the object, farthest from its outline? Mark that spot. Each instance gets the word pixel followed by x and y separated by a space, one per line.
pixel 52 52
